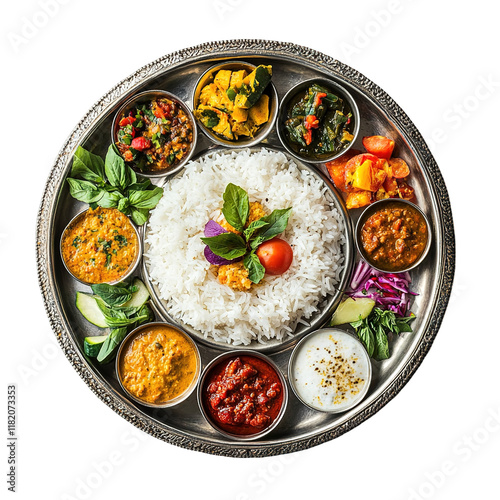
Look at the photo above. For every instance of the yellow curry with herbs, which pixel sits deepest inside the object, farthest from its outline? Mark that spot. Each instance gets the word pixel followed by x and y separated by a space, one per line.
pixel 100 246
pixel 158 365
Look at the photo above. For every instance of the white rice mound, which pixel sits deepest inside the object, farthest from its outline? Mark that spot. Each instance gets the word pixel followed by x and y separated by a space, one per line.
pixel 270 310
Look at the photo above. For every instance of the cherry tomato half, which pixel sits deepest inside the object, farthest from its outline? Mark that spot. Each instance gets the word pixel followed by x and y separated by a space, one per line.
pixel 275 255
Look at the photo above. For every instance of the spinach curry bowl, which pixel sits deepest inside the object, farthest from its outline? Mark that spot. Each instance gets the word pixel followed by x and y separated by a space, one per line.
pixel 100 246
pixel 318 120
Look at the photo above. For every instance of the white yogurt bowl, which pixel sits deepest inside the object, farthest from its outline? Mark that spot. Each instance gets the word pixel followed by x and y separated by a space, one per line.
pixel 330 370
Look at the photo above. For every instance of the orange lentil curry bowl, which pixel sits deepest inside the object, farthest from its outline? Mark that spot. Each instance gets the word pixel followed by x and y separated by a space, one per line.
pixel 158 365
pixel 100 246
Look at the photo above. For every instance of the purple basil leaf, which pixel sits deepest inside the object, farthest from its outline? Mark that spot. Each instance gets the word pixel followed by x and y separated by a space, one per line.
pixel 213 229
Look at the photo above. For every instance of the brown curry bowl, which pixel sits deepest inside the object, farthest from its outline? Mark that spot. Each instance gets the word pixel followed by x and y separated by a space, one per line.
pixel 372 209
pixel 123 276
pixel 142 98
pixel 214 366
pixel 128 342
pixel 264 130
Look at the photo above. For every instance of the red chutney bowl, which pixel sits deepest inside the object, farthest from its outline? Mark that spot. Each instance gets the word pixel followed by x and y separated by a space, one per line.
pixel 242 394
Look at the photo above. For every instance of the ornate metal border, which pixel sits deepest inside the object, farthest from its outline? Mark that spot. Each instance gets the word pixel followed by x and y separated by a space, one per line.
pixel 230 49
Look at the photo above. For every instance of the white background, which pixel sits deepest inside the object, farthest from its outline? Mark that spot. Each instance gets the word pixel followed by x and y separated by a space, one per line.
pixel 439 438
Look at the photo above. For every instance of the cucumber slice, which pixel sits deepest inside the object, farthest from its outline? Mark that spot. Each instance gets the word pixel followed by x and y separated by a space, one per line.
pixel 140 296
pixel 88 307
pixel 92 345
pixel 351 310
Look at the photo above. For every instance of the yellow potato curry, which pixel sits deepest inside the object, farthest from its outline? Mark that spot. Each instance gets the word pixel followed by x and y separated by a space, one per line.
pixel 100 246
pixel 158 365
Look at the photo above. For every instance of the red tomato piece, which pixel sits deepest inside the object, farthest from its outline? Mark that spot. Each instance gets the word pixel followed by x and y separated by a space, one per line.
pixel 159 113
pixel 399 168
pixel 140 143
pixel 275 255
pixel 126 121
pixel 379 145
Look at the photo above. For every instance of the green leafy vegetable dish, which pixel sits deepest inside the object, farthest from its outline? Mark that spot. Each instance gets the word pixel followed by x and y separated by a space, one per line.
pixel 319 123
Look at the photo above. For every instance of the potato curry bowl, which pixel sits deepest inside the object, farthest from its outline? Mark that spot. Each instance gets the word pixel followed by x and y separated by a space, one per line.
pixel 158 365
pixel 236 103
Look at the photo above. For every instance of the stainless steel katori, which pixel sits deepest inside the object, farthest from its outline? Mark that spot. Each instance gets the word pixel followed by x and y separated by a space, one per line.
pixel 300 427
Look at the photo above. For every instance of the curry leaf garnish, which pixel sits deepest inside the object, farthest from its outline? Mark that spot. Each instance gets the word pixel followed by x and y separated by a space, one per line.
pixel 236 206
pixel 276 224
pixel 112 184
pixel 227 245
pixel 256 270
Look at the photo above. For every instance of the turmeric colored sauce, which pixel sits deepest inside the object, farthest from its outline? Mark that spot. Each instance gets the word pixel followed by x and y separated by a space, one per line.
pixel 158 365
pixel 101 246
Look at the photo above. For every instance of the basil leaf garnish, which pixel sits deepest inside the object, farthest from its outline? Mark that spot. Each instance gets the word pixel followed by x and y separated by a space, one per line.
pixel 381 349
pixel 256 224
pixel 236 206
pixel 145 199
pixel 113 295
pixel 276 224
pixel 84 190
pixel 255 269
pixel 110 199
pixel 116 170
pixel 227 245
pixel 139 215
pixel 88 166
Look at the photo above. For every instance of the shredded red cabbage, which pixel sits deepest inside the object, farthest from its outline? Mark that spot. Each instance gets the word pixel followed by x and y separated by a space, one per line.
pixel 390 291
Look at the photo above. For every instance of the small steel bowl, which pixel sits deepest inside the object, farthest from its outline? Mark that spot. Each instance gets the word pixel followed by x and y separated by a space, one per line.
pixel 137 332
pixel 296 92
pixel 130 270
pixel 225 357
pixel 265 129
pixel 142 98
pixel 362 352
pixel 369 211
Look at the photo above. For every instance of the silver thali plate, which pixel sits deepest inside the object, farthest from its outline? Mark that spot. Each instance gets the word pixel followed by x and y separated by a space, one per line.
pixel 301 427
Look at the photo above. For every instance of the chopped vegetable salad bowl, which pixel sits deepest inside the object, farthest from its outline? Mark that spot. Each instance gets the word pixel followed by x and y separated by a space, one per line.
pixel 155 133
